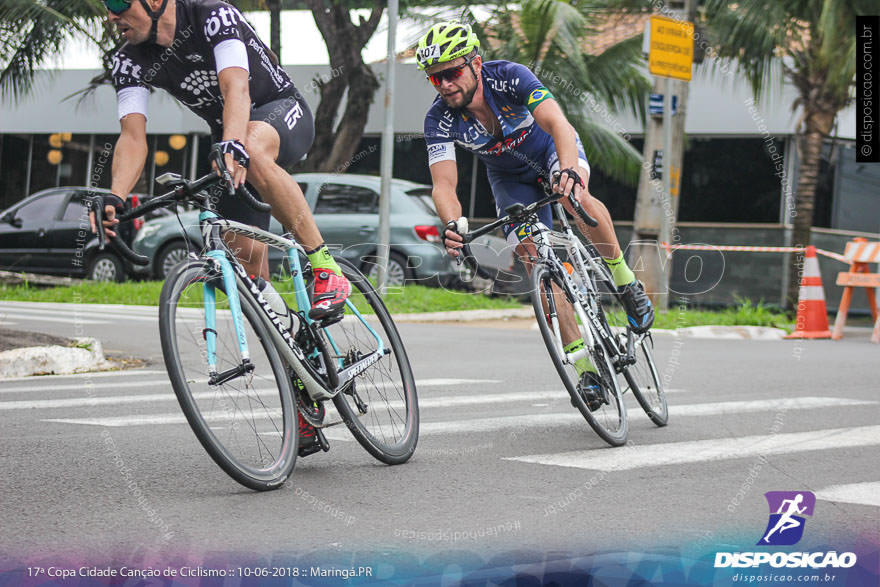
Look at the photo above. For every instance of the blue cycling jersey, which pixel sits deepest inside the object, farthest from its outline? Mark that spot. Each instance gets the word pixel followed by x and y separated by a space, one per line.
pixel 512 92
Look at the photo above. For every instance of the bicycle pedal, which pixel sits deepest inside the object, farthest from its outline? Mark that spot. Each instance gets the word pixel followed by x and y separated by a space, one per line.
pixel 330 320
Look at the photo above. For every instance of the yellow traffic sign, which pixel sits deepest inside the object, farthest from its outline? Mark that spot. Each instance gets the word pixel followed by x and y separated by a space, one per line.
pixel 671 52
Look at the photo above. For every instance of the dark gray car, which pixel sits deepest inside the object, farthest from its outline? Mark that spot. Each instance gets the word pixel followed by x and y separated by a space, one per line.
pixel 346 209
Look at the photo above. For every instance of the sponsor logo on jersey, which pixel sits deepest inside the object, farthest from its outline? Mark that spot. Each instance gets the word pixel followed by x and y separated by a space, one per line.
pixel 225 19
pixel 195 58
pixel 293 115
pixel 123 66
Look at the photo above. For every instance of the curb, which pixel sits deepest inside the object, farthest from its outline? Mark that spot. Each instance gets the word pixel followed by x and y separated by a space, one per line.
pixel 725 332
pixel 53 360
pixel 466 315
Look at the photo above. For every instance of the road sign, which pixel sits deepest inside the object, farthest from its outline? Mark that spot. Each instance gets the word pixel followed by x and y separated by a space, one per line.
pixel 671 50
pixel 655 104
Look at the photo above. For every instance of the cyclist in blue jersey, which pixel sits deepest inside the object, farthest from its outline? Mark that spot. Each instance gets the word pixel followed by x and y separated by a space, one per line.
pixel 502 112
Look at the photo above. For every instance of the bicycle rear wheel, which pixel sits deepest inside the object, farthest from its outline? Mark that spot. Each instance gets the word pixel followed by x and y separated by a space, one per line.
pixel 608 418
pixel 380 406
pixel 644 380
pixel 247 424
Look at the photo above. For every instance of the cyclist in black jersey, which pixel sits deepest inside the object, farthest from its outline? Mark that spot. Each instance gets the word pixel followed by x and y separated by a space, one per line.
pixel 206 55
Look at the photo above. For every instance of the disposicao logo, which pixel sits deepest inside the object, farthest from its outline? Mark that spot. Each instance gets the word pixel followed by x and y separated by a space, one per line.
pixel 785 528
pixel 786 524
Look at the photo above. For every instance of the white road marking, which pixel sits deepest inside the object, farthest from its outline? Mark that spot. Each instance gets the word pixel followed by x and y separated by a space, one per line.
pixel 699 451
pixel 80 315
pixel 859 493
pixel 46 378
pixel 129 384
pixel 85 387
pixel 521 422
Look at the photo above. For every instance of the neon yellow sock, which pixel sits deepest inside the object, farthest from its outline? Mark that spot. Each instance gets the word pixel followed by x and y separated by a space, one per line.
pixel 583 364
pixel 620 271
pixel 321 258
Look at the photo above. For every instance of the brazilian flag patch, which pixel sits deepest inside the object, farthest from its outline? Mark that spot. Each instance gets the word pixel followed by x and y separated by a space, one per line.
pixel 536 97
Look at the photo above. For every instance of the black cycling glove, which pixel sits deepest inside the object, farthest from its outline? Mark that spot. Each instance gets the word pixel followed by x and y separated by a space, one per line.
pixel 237 150
pixel 570 172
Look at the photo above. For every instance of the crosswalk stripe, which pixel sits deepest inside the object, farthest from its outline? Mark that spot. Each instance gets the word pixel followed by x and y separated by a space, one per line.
pixel 85 387
pixel 858 493
pixel 48 378
pixel 82 402
pixel 504 422
pixel 696 451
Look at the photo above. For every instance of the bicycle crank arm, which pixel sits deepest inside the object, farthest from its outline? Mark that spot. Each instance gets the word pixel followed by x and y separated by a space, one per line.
pixel 221 378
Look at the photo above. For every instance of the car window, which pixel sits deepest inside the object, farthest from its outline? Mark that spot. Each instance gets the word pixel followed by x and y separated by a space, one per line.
pixel 41 210
pixel 337 198
pixel 76 211
pixel 422 196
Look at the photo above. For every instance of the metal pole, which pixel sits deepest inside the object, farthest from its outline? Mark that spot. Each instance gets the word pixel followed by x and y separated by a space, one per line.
pixel 194 155
pixel 27 180
pixel 152 177
pixel 90 160
pixel 384 244
pixel 667 218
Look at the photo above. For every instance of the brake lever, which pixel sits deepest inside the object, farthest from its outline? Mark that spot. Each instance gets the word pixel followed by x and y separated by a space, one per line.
pixel 97 206
pixel 218 159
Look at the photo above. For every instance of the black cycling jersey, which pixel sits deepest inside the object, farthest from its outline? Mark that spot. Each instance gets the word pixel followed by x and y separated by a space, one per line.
pixel 188 70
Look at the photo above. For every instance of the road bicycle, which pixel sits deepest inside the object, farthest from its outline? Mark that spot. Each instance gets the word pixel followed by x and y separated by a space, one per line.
pixel 242 370
pixel 566 268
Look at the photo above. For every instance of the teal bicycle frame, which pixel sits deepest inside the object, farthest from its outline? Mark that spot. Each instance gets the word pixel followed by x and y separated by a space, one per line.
pixel 316 383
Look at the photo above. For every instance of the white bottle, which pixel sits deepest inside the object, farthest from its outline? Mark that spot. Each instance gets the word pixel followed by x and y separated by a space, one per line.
pixel 276 302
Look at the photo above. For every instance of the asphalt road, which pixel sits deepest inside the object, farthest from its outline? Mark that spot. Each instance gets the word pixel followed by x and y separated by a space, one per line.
pixel 517 469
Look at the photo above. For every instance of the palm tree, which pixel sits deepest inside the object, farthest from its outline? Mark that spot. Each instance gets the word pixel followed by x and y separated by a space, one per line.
pixel 551 37
pixel 815 44
pixel 33 30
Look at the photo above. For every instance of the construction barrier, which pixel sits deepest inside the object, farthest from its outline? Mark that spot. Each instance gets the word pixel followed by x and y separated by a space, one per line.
pixel 859 253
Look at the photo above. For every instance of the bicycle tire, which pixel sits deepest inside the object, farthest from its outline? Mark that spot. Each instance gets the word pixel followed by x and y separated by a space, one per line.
pixel 644 380
pixel 543 279
pixel 370 389
pixel 274 449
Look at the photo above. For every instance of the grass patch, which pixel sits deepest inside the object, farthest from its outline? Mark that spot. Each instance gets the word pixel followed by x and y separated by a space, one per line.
pixel 745 313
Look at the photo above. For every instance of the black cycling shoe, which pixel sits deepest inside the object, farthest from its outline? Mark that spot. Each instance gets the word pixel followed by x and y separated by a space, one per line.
pixel 590 388
pixel 308 438
pixel 637 304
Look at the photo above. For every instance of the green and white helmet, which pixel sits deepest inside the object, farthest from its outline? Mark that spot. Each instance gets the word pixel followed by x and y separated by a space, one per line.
pixel 444 42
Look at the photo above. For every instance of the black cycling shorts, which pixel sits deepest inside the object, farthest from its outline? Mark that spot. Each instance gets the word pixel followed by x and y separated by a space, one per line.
pixel 292 118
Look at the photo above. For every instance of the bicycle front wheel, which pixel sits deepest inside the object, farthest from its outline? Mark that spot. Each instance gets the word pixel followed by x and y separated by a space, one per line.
pixel 246 422
pixel 379 406
pixel 644 380
pixel 606 413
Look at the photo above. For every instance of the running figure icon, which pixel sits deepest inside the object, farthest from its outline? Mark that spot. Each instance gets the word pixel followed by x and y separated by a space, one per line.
pixel 786 524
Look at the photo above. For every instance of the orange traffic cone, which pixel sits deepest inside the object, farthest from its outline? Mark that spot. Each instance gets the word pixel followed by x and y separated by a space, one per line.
pixel 812 317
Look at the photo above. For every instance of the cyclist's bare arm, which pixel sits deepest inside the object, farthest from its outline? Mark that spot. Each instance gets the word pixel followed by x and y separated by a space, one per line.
pixel 129 156
pixel 444 176
pixel 236 113
pixel 551 119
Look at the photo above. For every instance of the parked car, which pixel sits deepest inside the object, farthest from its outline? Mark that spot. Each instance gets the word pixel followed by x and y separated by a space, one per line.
pixel 346 209
pixel 49 232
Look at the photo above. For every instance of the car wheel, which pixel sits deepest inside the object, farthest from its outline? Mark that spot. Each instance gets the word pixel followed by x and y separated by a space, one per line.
pixel 397 272
pixel 106 267
pixel 169 257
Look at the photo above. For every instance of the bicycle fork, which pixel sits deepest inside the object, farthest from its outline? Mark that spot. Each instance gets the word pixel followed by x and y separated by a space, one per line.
pixel 210 297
